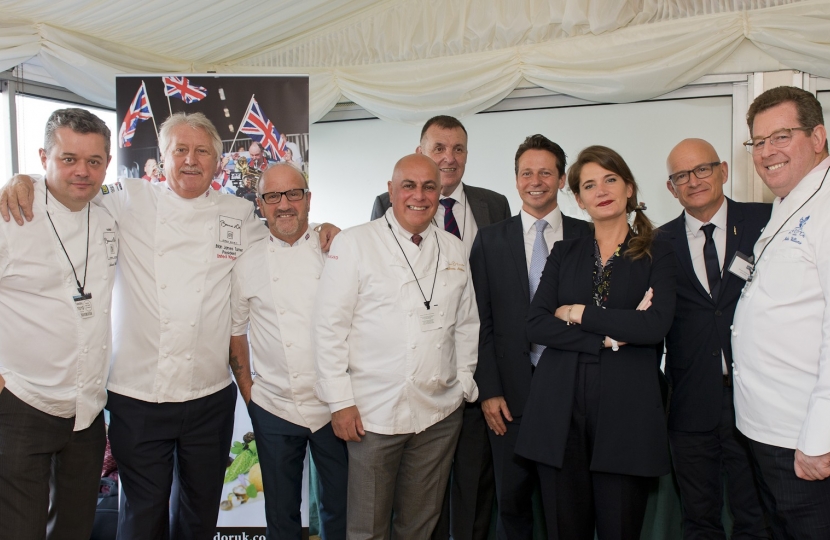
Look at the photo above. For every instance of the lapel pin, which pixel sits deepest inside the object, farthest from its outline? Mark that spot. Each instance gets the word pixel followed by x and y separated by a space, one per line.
pixel 734 230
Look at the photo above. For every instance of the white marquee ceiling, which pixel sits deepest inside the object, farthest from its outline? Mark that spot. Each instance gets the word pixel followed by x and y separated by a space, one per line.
pixel 408 59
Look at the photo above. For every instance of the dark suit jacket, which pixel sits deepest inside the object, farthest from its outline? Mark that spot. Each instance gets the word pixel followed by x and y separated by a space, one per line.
pixel 499 267
pixel 631 435
pixel 701 327
pixel 487 206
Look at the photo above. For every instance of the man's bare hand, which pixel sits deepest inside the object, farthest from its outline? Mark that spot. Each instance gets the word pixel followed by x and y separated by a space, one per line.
pixel 812 467
pixel 347 424
pixel 16 199
pixel 327 234
pixel 495 412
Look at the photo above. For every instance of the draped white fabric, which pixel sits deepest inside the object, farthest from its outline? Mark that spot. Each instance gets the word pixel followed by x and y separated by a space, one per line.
pixel 408 60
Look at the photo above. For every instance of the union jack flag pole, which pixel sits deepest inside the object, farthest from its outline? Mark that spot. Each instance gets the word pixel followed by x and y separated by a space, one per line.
pixel 242 123
pixel 151 111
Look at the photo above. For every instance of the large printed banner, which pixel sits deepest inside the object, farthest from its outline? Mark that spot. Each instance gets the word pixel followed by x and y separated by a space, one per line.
pixel 262 120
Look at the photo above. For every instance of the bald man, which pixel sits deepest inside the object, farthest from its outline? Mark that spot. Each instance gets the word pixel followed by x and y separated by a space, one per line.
pixel 396 335
pixel 704 441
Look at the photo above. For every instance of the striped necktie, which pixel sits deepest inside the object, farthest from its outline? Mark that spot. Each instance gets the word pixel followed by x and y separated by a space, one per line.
pixel 450 225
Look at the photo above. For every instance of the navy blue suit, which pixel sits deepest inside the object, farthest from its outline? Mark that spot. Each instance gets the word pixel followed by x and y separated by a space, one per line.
pixel 498 263
pixel 702 431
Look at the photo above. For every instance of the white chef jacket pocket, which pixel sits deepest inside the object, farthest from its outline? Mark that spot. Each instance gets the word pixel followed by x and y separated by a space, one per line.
pixel 785 271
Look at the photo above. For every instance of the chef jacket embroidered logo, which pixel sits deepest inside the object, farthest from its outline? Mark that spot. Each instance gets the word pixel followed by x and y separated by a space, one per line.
pixel 797 234
pixel 230 230
pixel 112 247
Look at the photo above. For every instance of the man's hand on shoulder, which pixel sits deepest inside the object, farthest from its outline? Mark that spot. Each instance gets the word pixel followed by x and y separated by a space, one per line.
pixel 494 409
pixel 327 233
pixel 812 467
pixel 347 424
pixel 16 199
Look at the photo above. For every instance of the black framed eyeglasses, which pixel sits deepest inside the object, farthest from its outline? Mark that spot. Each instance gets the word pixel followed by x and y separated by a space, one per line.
pixel 780 139
pixel 704 170
pixel 292 195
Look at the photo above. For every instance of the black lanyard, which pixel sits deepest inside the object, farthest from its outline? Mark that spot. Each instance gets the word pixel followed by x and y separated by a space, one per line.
pixel 86 260
pixel 434 278
pixel 756 262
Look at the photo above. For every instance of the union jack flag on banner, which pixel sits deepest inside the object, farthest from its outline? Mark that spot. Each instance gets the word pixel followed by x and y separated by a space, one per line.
pixel 259 128
pixel 138 112
pixel 183 89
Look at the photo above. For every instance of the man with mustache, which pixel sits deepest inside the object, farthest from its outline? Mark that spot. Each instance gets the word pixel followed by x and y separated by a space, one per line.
pixel 274 286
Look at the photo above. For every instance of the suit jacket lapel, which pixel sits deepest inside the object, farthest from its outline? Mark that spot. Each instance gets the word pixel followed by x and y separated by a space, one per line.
pixel 516 242
pixel 681 247
pixel 734 233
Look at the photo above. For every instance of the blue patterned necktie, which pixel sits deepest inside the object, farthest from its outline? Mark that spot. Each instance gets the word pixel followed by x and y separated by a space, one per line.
pixel 537 264
pixel 450 225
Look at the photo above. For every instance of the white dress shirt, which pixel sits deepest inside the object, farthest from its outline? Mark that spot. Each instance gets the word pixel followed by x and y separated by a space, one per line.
pixel 171 303
pixel 697 239
pixel 463 216
pixel 52 358
pixel 274 286
pixel 781 332
pixel 553 232
pixel 374 345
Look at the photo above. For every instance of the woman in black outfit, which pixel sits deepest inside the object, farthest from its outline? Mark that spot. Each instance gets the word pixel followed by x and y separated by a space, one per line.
pixel 594 421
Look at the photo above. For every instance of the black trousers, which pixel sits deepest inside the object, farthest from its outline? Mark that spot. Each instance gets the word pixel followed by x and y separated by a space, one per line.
pixel 699 460
pixel 468 502
pixel 49 474
pixel 146 439
pixel 799 509
pixel 578 501
pixel 516 480
pixel 281 446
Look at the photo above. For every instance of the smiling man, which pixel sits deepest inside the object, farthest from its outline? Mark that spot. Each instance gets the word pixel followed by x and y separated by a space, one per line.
pixel 56 279
pixel 462 210
pixel 704 441
pixel 781 336
pixel 506 262
pixel 274 286
pixel 396 333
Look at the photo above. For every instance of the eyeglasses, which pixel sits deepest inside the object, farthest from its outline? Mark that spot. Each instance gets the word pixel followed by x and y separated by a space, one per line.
pixel 274 197
pixel 779 139
pixel 702 171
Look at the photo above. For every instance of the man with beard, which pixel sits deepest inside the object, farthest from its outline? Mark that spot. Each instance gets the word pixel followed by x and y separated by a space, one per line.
pixel 274 286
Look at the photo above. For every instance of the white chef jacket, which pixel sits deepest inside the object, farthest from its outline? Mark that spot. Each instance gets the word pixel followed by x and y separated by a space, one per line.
pixel 370 348
pixel 274 286
pixel 171 303
pixel 52 358
pixel 781 331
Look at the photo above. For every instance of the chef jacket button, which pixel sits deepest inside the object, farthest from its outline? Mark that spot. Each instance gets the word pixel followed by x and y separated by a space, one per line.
pixel 317 276
pixel 104 347
pixel 275 278
pixel 434 378
pixel 80 385
pixel 766 257
pixel 52 211
pixel 295 374
pixel 437 345
pixel 441 313
pixel 86 349
pixel 163 220
pixel 192 323
pixel 98 381
pixel 410 314
pixel 412 378
pixel 412 346
pixel 288 344
pixel 734 332
pixel 299 404
pixel 731 326
pixel 99 241
pixel 735 372
pixel 271 249
pixel 282 312
pixel 161 254
pixel 444 283
pixel 189 356
pixel 106 311
pixel 69 280
pixel 198 289
pixel 163 286
pixel 210 227
pixel 166 321
pixel 165 355
pixel 105 277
